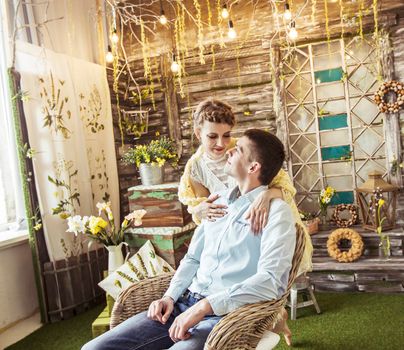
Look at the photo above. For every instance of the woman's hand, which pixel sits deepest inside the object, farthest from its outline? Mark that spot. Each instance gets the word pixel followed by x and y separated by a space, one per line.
pixel 208 210
pixel 259 211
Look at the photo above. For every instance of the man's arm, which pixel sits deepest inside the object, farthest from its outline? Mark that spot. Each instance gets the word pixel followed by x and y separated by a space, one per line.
pixel 188 267
pixel 270 281
pixel 161 309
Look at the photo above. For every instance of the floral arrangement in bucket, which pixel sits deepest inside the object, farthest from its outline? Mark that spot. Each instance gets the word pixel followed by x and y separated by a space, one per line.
pixel 310 220
pixel 151 158
pixel 104 230
pixel 376 205
pixel 324 200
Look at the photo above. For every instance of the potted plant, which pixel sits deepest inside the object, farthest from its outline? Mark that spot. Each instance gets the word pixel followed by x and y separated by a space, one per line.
pixel 311 221
pixel 151 158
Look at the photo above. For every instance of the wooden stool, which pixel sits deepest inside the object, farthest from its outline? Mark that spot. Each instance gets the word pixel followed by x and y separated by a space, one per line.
pixel 302 283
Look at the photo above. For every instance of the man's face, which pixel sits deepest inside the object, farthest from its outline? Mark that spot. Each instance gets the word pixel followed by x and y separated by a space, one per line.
pixel 238 162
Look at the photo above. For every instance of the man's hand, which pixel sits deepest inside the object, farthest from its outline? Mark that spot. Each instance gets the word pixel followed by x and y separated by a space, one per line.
pixel 182 323
pixel 160 310
pixel 208 210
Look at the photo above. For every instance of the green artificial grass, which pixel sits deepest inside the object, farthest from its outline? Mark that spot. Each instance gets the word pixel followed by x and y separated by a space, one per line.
pixel 348 321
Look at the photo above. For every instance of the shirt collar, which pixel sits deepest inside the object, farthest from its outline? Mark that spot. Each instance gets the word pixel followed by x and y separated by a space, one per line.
pixel 234 194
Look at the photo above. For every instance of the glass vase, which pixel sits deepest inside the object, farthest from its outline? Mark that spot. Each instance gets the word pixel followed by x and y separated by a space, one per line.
pixel 384 249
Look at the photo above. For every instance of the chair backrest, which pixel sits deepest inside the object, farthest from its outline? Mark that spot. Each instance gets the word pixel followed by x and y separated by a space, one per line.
pixel 298 255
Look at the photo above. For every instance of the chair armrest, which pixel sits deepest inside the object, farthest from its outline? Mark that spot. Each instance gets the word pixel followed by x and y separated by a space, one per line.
pixel 243 328
pixel 138 297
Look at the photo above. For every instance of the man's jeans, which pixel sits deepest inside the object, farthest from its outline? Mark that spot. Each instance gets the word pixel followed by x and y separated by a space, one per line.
pixel 139 332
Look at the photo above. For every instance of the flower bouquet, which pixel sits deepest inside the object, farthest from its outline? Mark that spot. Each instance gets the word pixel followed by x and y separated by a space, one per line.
pixel 102 229
pixel 157 152
pixel 324 200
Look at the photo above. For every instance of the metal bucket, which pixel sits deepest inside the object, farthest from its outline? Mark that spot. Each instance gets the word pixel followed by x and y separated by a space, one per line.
pixel 151 174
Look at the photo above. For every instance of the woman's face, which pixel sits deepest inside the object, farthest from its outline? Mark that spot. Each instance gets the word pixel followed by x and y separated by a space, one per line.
pixel 215 138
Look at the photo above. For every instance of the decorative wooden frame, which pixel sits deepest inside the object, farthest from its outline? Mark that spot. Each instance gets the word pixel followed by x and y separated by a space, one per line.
pixel 359 159
pixel 135 123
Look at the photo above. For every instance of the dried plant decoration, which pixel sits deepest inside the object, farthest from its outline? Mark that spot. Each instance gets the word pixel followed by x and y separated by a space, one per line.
pixel 91 111
pixel 98 175
pixel 53 108
pixel 327 28
pixel 313 11
pixel 360 18
pixel 66 184
pixel 200 31
pixel 219 23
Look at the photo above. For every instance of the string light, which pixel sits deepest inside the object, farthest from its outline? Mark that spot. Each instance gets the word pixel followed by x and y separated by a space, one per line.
pixel 163 18
pixel 175 67
pixel 231 33
pixel 292 31
pixel 109 57
pixel 114 37
pixel 225 12
pixel 287 15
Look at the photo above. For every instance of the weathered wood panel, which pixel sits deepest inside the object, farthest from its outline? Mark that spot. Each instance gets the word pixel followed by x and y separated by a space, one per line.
pixel 71 285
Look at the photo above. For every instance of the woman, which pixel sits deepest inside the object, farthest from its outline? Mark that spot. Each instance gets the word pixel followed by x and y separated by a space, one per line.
pixel 204 175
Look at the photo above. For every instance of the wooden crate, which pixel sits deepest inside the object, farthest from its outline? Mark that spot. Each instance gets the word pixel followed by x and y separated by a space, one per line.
pixel 101 323
pixel 171 243
pixel 161 203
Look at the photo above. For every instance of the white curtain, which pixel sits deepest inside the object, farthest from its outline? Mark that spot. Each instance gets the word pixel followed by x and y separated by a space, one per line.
pixel 68 114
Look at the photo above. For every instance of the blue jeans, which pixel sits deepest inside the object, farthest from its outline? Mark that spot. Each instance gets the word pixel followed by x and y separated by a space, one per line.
pixel 141 333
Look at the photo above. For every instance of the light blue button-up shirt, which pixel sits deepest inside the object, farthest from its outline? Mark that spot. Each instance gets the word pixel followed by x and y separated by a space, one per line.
pixel 230 265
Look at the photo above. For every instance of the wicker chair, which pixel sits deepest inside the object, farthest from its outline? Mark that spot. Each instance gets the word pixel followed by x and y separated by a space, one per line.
pixel 241 329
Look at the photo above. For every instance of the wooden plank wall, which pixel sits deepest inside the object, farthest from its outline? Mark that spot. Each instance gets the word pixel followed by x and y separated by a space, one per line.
pixel 251 72
pixel 251 89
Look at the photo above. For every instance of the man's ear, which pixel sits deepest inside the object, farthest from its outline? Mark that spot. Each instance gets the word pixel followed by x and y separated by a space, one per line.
pixel 254 167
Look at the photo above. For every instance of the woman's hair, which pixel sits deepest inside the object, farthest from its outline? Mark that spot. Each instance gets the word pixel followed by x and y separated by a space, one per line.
pixel 267 150
pixel 213 111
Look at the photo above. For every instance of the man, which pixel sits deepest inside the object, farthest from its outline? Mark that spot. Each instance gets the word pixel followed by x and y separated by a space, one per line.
pixel 226 265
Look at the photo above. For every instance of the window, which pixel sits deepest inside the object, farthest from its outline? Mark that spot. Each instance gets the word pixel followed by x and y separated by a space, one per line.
pixel 11 202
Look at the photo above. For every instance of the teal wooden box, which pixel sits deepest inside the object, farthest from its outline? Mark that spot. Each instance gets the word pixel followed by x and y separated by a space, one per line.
pixel 171 243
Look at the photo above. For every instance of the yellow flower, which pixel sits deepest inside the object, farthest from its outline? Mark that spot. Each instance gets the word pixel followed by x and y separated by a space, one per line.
pixel 96 224
pixel 37 227
pixel 381 202
pixel 64 215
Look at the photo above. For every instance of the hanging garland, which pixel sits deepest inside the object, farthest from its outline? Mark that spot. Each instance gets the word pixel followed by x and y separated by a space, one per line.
pixel 334 242
pixel 344 222
pixel 380 97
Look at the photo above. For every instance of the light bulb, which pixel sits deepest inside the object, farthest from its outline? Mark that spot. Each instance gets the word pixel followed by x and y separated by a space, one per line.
pixel 175 67
pixel 109 57
pixel 292 31
pixel 114 37
pixel 287 15
pixel 163 19
pixel 225 12
pixel 231 33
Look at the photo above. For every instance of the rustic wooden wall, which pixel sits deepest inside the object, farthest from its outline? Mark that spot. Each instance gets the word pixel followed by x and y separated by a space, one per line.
pixel 241 74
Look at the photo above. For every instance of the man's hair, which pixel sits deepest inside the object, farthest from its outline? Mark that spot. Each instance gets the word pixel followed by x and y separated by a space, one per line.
pixel 214 111
pixel 267 150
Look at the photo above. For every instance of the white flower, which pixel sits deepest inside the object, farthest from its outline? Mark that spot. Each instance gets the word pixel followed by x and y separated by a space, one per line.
pixel 103 206
pixel 75 224
pixel 137 216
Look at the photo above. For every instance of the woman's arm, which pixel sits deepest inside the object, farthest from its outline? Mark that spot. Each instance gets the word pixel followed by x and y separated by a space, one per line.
pixel 197 197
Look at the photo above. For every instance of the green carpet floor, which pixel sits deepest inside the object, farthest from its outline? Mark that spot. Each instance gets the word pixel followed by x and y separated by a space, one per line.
pixel 348 321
